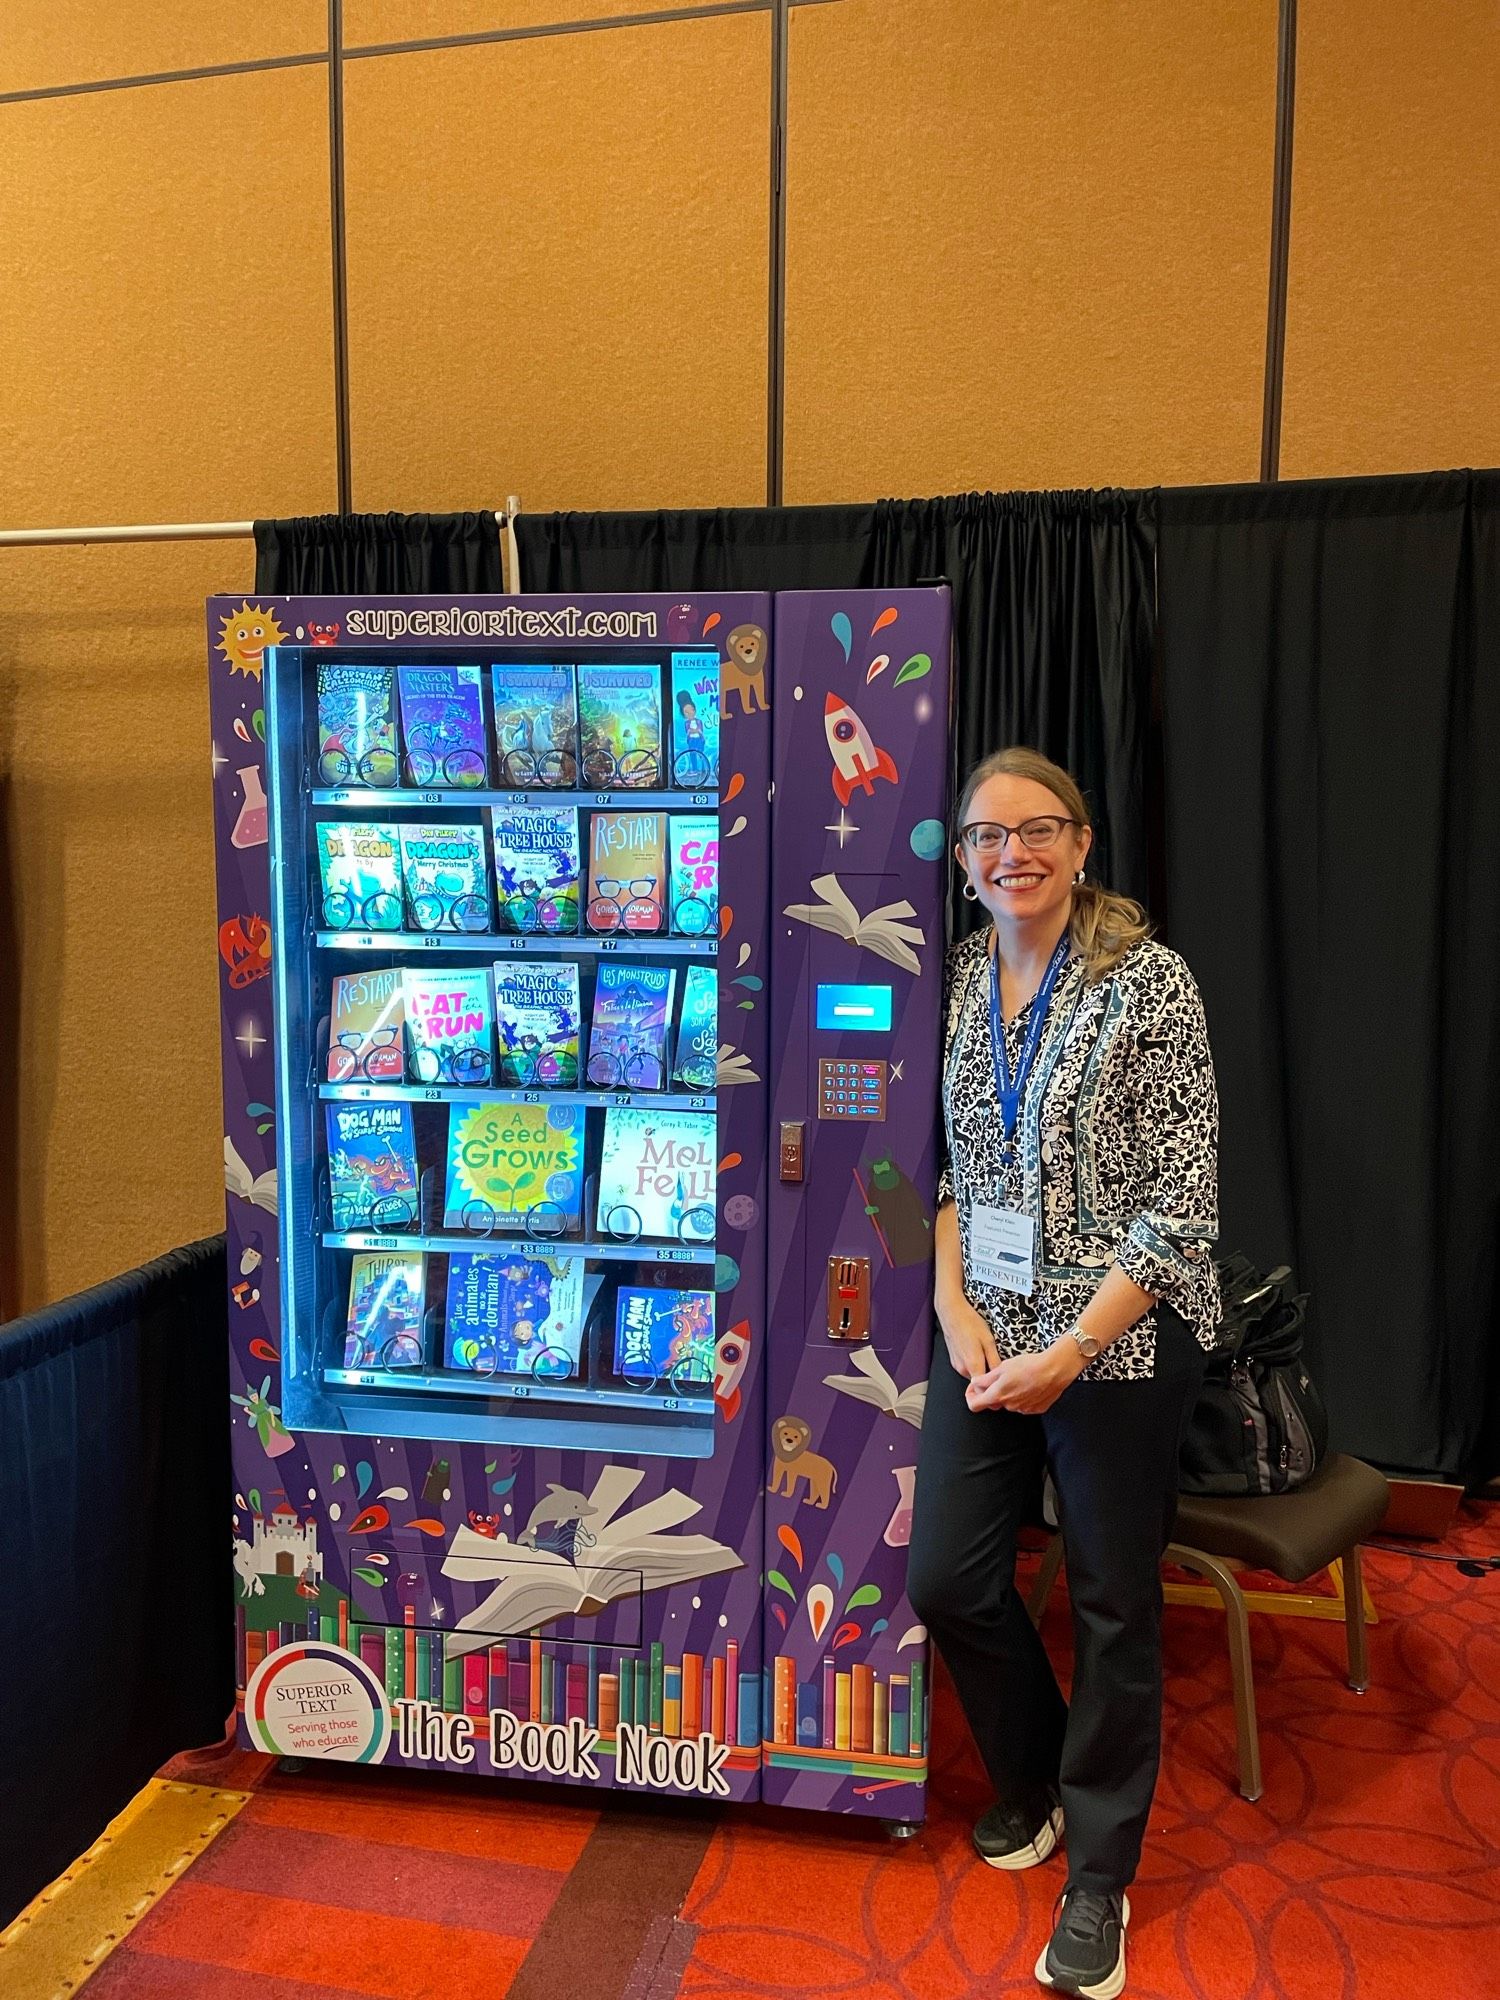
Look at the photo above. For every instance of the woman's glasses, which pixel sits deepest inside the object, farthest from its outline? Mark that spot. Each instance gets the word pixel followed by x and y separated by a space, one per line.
pixel 987 836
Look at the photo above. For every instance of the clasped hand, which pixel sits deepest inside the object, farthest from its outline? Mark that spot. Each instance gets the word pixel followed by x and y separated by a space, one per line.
pixel 1027 1383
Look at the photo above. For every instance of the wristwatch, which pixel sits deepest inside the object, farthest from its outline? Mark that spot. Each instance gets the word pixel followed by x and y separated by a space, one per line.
pixel 1087 1346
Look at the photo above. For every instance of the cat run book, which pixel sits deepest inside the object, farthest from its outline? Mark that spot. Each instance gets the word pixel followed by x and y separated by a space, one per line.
pixel 514 1165
pixel 449 1024
pixel 536 867
pixel 695 1066
pixel 356 726
pixel 372 1166
pixel 510 1313
pixel 447 877
pixel 442 726
pixel 387 1298
pixel 663 1335
pixel 628 1026
pixel 627 872
pixel 360 868
pixel 619 725
pixel 364 1029
pixel 693 851
pixel 657 1175
pixel 695 719
pixel 536 725
pixel 536 1017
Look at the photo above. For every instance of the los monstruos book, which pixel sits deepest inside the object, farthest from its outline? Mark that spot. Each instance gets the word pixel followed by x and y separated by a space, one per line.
pixel 356 725
pixel 627 872
pixel 657 1174
pixel 628 1026
pixel 511 1313
pixel 447 877
pixel 536 866
pixel 507 1160
pixel 695 1064
pixel 387 1299
pixel 619 725
pixel 359 862
pixel 693 855
pixel 364 1028
pixel 372 1166
pixel 667 1336
pixel 536 725
pixel 442 725
pixel 695 719
pixel 448 1024
pixel 536 1020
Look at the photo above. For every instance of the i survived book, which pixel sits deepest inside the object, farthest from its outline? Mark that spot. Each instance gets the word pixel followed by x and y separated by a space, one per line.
pixel 693 855
pixel 372 1166
pixel 442 725
pixel 510 1313
pixel 627 872
pixel 387 1298
pixel 447 877
pixel 695 719
pixel 628 1026
pixel 507 1160
pixel 619 725
pixel 359 862
pixel 449 1024
pixel 664 1335
pixel 536 867
pixel 356 725
pixel 695 1064
pixel 536 1019
pixel 536 725
pixel 657 1174
pixel 364 1028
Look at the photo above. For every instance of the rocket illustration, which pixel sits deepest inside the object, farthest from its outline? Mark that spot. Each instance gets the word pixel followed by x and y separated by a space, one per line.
pixel 856 760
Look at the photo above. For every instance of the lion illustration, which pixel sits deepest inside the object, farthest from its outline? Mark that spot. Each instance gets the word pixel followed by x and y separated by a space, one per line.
pixel 744 672
pixel 790 1439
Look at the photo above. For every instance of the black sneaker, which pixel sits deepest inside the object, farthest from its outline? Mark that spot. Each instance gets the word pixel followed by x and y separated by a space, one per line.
pixel 1018 1836
pixel 1087 1952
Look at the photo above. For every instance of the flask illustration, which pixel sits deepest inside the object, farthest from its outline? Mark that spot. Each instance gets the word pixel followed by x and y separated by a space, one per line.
pixel 898 1527
pixel 251 827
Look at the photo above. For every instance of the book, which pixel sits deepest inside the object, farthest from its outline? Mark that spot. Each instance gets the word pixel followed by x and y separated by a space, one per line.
pixel 695 719
pixel 510 1313
pixel 875 1384
pixel 657 1174
pixel 627 872
pixel 693 859
pixel 536 866
pixel 628 1025
pixel 664 1335
pixel 507 1160
pixel 536 725
pixel 449 1024
pixel 360 867
pixel 695 1064
pixel 387 1299
pixel 442 725
pixel 447 877
pixel 356 725
pixel 372 1166
pixel 537 1020
pixel 882 931
pixel 364 1029
pixel 619 725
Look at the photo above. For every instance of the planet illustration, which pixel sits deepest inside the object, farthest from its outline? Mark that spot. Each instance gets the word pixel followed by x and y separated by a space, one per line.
pixel 740 1211
pixel 928 839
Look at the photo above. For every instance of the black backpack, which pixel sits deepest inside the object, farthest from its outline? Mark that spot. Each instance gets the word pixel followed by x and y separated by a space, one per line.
pixel 1259 1425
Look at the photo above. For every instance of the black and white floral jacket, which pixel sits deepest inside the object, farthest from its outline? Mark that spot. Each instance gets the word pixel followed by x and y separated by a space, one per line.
pixel 1116 1149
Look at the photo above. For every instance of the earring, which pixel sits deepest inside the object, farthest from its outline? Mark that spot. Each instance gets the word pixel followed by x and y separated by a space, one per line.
pixel 969 892
pixel 1078 878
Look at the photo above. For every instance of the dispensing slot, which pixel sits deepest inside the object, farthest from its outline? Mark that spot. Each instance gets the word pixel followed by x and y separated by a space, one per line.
pixel 848 1298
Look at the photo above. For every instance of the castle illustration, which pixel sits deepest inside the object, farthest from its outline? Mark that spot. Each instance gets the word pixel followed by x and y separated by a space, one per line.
pixel 282 1545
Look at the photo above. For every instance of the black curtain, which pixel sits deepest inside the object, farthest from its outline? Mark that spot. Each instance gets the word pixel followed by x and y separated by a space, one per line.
pixel 1331 684
pixel 117 1611
pixel 393 555
pixel 705 548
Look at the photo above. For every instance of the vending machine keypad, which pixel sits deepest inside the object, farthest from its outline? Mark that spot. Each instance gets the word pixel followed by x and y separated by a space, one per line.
pixel 850 1089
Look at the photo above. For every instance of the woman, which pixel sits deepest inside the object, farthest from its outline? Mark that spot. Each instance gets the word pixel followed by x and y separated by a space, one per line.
pixel 1077 1295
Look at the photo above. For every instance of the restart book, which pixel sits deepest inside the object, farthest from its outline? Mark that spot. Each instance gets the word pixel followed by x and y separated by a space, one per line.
pixel 536 866
pixel 507 1160
pixel 536 725
pixel 372 1166
pixel 628 1026
pixel 627 872
pixel 619 725
pixel 442 725
pixel 657 1174
pixel 696 1063
pixel 447 877
pixel 693 848
pixel 510 1313
pixel 387 1299
pixel 449 1024
pixel 364 1029
pixel 356 726
pixel 668 1336
pixel 695 719
pixel 359 862
pixel 536 1016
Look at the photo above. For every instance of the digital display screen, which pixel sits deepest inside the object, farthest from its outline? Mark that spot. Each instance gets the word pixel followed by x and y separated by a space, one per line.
pixel 855 1009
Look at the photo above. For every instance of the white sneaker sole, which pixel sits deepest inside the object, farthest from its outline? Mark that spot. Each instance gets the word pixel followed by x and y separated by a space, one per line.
pixel 1048 1835
pixel 1107 1988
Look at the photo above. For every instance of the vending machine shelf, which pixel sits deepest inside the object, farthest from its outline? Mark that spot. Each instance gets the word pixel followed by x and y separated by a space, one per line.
pixel 451 1093
pixel 521 942
pixel 503 1389
pixel 528 1246
pixel 384 798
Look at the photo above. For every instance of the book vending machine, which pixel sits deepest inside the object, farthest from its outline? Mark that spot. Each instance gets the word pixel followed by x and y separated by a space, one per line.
pixel 581 967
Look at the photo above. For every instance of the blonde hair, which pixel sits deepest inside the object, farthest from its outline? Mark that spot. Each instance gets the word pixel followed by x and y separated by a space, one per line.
pixel 1104 926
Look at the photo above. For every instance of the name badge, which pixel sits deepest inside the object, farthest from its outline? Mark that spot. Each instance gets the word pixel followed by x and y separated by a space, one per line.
pixel 1002 1248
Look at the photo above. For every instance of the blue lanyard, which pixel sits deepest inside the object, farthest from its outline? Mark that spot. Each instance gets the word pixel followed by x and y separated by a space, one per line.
pixel 1009 1089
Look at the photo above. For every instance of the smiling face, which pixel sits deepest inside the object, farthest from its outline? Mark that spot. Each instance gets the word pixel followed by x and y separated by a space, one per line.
pixel 1017 883
pixel 244 637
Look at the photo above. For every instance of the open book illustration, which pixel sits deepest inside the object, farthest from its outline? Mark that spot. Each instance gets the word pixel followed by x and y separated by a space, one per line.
pixel 875 1384
pixel 257 1188
pixel 879 932
pixel 612 1555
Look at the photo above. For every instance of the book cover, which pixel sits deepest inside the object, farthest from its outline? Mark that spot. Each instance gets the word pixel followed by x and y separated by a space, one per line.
pixel 448 1024
pixel 693 856
pixel 364 1029
pixel 695 719
pixel 536 866
pixel 510 1313
pixel 537 1018
pixel 360 866
pixel 628 1025
pixel 619 725
pixel 536 725
pixel 506 1160
pixel 657 1174
pixel 695 1065
pixel 387 1298
pixel 447 877
pixel 372 1166
pixel 664 1335
pixel 627 872
pixel 356 725
pixel 442 725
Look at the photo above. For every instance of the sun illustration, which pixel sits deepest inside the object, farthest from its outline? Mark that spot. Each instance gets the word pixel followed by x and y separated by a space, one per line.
pixel 245 637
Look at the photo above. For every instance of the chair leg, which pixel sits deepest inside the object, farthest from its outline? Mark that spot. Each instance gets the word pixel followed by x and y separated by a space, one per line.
pixel 1354 1620
pixel 1046 1576
pixel 1242 1672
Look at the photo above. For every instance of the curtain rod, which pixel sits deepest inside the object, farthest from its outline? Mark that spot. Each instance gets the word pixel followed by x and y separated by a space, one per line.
pixel 175 531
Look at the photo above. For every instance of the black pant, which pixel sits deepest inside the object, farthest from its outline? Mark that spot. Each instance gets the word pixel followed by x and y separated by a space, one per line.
pixel 1112 1448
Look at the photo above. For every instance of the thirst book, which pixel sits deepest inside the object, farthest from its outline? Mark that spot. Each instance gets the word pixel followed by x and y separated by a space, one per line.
pixel 536 1017
pixel 356 725
pixel 511 1162
pixel 447 877
pixel 536 725
pixel 667 1336
pixel 627 872
pixel 693 851
pixel 695 718
pixel 360 868
pixel 387 1297
pixel 695 1065
pixel 449 1024
pixel 364 1029
pixel 536 867
pixel 372 1166
pixel 511 1313
pixel 619 725
pixel 628 1026
pixel 657 1174
pixel 442 726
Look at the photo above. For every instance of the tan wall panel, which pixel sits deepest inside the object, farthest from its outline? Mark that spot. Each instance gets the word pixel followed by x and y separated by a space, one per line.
pixel 1027 245
pixel 165 316
pixel 48 42
pixel 111 1145
pixel 557 270
pixel 377 21
pixel 1394 280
